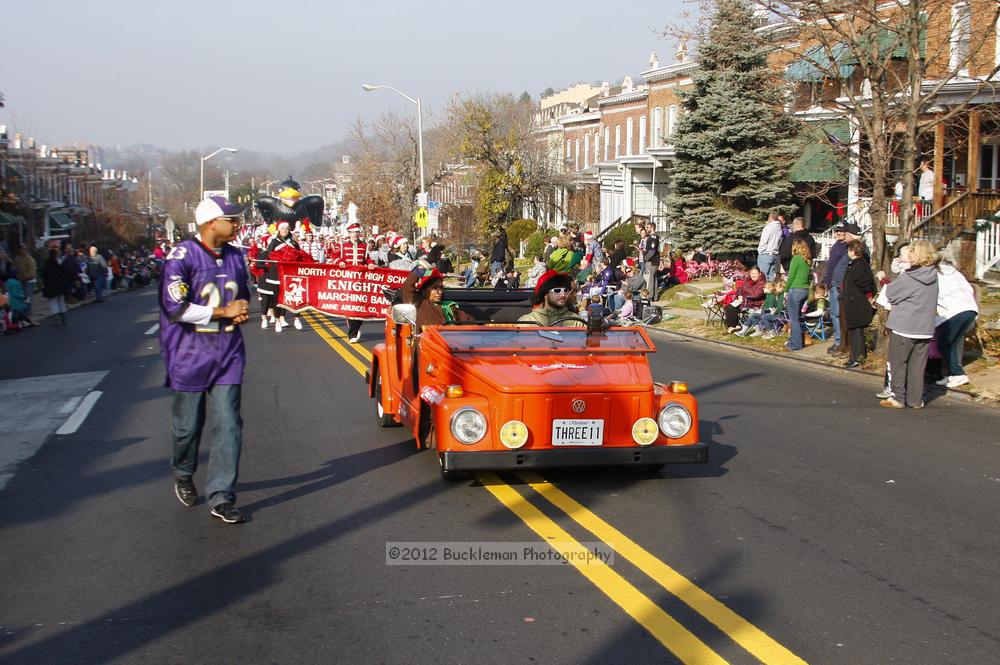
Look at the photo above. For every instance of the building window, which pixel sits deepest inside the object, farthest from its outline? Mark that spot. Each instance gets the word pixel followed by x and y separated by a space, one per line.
pixel 569 149
pixel 671 119
pixel 586 152
pixel 607 141
pixel 642 135
pixel 597 145
pixel 628 136
pixel 618 141
pixel 961 29
pixel 576 162
pixel 657 124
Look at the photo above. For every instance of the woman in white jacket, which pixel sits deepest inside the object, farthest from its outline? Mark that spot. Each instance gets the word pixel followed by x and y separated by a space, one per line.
pixel 956 315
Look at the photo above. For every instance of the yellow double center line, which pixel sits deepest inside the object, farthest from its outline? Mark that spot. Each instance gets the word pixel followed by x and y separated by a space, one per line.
pixel 684 644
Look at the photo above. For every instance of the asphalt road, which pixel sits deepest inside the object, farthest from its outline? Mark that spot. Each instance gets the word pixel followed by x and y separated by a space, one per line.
pixel 824 529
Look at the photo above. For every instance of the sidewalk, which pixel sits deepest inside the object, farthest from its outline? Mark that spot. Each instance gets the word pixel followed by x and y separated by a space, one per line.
pixel 41 313
pixel 688 319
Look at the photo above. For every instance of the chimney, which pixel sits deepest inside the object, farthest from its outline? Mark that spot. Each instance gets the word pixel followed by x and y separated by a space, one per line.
pixel 17 141
pixel 31 143
pixel 682 52
pixel 605 88
pixel 627 84
pixel 654 60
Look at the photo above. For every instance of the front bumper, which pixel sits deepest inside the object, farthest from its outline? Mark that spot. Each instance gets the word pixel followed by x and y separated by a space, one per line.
pixel 489 460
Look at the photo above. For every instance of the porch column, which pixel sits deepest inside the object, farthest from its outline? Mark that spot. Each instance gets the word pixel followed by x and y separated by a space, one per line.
pixel 853 168
pixel 972 170
pixel 627 193
pixel 938 166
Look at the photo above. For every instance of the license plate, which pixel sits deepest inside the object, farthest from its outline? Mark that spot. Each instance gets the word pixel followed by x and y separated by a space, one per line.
pixel 577 432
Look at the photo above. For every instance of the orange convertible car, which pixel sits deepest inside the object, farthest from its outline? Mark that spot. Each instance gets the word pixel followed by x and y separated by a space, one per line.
pixel 496 395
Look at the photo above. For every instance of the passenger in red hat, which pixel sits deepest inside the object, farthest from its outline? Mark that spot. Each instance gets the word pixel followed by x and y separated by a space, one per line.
pixel 425 289
pixel 552 296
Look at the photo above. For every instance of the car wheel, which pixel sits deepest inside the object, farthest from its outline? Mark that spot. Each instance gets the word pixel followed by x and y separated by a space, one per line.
pixel 383 418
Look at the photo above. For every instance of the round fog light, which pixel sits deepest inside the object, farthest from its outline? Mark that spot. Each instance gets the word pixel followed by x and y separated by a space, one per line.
pixel 644 431
pixel 514 434
pixel 674 421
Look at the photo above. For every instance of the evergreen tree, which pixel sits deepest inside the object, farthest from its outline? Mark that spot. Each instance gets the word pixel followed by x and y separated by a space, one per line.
pixel 733 142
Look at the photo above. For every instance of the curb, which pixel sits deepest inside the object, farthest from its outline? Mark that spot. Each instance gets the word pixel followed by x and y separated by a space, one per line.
pixel 952 393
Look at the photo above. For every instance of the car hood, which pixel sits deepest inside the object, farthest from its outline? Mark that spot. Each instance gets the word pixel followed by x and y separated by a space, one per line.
pixel 524 373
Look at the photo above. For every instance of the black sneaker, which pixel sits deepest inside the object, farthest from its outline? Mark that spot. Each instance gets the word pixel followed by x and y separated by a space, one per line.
pixel 227 513
pixel 185 491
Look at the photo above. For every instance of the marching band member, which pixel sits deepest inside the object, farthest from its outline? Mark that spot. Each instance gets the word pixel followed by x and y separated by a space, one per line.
pixel 282 239
pixel 353 252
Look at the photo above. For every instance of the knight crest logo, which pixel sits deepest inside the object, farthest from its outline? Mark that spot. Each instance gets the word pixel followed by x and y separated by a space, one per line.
pixel 295 290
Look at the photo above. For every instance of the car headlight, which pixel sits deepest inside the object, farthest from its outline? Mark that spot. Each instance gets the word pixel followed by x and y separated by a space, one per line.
pixel 674 421
pixel 468 425
pixel 644 431
pixel 514 434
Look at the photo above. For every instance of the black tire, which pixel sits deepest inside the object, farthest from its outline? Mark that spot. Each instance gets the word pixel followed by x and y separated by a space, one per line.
pixel 381 417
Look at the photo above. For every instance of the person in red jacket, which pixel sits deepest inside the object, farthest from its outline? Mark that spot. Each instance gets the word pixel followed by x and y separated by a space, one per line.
pixel 749 295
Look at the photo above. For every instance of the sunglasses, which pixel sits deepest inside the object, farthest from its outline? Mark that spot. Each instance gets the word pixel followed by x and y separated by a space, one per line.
pixel 559 290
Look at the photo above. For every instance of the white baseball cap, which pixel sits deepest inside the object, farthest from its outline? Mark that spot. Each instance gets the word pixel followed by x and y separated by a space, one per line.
pixel 214 207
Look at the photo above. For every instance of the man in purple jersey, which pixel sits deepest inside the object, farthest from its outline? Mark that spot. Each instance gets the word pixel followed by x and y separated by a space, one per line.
pixel 203 299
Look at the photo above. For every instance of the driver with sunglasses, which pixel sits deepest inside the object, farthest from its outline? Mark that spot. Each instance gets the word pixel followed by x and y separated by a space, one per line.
pixel 552 295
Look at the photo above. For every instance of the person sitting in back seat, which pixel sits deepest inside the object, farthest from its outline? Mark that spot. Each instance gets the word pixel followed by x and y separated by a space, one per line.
pixel 426 292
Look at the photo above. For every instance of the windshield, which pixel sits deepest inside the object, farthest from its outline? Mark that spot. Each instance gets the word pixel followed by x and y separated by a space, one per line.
pixel 532 338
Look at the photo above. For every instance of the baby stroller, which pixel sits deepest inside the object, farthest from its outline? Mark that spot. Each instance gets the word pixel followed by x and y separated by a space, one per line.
pixel 644 313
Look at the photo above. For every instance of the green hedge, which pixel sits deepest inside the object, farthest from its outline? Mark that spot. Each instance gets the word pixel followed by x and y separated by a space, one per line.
pixel 536 244
pixel 625 232
pixel 519 230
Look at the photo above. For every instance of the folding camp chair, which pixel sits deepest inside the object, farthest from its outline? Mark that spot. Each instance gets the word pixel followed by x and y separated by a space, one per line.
pixel 814 324
pixel 715 311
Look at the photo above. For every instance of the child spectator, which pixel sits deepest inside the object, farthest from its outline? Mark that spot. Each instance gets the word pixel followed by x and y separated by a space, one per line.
pixel 753 326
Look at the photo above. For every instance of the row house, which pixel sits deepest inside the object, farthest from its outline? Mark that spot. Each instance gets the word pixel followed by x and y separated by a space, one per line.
pixel 960 46
pixel 621 138
pixel 46 193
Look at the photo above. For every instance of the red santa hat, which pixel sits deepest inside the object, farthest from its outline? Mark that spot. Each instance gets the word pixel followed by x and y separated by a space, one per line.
pixel 428 277
pixel 397 240
pixel 283 223
pixel 354 226
pixel 587 235
pixel 549 280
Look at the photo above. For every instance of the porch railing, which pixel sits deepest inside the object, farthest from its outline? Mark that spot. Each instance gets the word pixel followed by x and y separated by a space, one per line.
pixel 958 215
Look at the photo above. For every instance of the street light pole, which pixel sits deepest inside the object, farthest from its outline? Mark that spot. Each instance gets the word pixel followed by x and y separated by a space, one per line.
pixel 201 194
pixel 420 131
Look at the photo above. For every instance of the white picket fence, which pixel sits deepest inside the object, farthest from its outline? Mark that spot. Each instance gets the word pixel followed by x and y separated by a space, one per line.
pixel 987 247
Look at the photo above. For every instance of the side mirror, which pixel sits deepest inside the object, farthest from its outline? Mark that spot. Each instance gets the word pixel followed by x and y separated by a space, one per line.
pixel 404 314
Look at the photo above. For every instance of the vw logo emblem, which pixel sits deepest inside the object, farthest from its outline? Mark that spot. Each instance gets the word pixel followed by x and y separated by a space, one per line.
pixel 579 406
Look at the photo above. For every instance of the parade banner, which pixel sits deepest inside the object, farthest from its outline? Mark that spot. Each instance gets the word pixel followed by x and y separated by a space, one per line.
pixel 354 292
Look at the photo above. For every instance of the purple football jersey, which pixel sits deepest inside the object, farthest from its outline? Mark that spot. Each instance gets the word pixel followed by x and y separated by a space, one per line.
pixel 198 356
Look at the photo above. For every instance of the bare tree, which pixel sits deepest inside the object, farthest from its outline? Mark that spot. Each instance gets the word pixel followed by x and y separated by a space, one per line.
pixel 897 70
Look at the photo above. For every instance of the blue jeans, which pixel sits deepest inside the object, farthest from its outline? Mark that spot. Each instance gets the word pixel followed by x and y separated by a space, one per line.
pixel 951 340
pixel 100 285
pixel 835 313
pixel 768 264
pixel 794 298
pixel 227 438
pixel 29 291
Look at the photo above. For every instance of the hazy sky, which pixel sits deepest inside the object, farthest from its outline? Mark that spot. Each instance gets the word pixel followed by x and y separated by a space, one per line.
pixel 286 76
